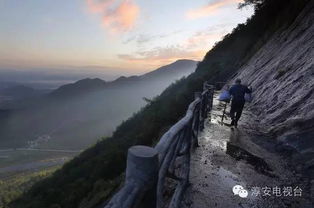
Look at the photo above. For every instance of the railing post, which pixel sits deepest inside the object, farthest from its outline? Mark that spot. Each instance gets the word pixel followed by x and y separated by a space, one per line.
pixel 196 120
pixel 197 95
pixel 211 95
pixel 189 143
pixel 206 87
pixel 195 128
pixel 142 168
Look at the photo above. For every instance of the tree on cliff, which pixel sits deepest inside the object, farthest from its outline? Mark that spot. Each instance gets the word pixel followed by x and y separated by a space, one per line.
pixel 256 3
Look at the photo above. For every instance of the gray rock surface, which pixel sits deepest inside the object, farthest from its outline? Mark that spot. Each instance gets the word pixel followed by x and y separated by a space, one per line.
pixel 282 76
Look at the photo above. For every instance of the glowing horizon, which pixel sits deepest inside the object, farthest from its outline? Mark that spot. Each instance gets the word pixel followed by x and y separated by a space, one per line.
pixel 126 35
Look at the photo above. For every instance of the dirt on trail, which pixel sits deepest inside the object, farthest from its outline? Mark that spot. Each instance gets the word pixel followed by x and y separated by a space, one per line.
pixel 227 157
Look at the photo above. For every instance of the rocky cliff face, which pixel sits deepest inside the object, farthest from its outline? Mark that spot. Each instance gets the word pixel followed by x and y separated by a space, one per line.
pixel 282 76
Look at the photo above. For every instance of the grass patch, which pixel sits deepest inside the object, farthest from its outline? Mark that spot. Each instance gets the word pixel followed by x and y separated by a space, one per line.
pixel 13 187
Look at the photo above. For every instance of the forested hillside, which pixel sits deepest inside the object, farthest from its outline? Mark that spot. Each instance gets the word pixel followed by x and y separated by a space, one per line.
pixel 92 177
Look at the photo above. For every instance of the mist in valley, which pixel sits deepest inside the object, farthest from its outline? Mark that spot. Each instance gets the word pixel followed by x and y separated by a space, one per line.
pixel 76 115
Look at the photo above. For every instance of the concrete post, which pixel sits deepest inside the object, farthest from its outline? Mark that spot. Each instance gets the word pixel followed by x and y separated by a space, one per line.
pixel 205 86
pixel 197 95
pixel 142 168
pixel 211 95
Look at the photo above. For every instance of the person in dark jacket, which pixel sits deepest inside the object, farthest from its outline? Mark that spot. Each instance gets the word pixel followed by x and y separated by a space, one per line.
pixel 237 92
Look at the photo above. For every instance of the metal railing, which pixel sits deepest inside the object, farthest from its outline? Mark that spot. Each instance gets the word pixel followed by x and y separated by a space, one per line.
pixel 149 168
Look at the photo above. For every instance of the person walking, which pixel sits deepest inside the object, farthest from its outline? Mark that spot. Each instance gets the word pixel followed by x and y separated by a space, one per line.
pixel 237 92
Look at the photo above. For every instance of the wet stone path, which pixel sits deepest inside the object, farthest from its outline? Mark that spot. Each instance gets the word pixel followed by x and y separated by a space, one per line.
pixel 228 157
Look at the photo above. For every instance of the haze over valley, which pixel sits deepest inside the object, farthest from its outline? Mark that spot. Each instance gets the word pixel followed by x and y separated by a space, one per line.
pixel 76 115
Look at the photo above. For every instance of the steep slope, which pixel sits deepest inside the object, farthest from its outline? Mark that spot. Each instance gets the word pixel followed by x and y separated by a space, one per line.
pixel 91 178
pixel 282 76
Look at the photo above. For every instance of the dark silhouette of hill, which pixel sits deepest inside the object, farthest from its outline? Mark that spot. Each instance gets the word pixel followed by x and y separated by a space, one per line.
pixel 21 92
pixel 91 178
pixel 17 93
pixel 81 86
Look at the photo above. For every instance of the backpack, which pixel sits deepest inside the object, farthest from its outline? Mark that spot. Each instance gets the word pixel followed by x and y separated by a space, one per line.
pixel 248 97
pixel 224 96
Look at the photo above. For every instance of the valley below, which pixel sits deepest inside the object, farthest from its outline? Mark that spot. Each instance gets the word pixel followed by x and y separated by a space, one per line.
pixel 40 130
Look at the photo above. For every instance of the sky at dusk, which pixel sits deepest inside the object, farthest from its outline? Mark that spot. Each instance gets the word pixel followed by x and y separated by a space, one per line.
pixel 120 35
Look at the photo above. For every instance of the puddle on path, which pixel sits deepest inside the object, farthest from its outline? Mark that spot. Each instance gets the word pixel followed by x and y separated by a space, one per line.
pixel 258 163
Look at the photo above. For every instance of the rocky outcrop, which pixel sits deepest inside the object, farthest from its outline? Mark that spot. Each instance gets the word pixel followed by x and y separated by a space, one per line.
pixel 282 76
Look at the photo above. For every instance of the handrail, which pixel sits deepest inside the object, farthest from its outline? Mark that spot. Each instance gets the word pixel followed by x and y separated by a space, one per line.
pixel 148 168
pixel 164 142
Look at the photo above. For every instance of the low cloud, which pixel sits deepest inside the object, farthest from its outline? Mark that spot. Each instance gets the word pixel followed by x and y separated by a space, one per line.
pixel 193 47
pixel 209 9
pixel 142 39
pixel 116 15
pixel 198 40
pixel 208 37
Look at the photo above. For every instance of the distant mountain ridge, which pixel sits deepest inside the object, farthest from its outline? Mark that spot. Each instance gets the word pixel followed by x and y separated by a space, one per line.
pixel 84 85
pixel 183 64
pixel 171 71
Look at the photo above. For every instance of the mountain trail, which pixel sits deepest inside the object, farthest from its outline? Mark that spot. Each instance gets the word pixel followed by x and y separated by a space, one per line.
pixel 228 157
